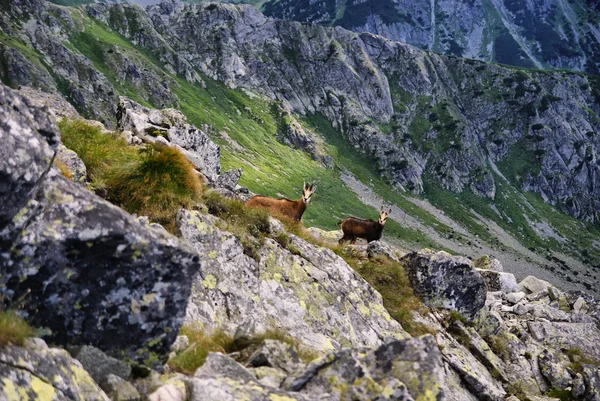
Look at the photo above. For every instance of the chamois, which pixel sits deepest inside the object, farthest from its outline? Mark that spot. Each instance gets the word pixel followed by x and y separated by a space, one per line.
pixel 287 207
pixel 370 230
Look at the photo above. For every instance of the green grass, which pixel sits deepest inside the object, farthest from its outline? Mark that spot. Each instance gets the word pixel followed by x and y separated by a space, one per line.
pixel 201 343
pixel 156 181
pixel 13 329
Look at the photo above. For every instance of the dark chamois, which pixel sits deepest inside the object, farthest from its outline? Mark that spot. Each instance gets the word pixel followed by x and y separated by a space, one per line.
pixel 286 207
pixel 370 230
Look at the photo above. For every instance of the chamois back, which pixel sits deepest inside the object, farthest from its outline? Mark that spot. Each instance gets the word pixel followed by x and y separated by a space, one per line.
pixel 284 206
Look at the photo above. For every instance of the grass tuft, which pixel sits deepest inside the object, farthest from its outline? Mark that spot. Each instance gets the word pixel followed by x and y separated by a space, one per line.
pixel 161 183
pixel 201 343
pixel 578 359
pixel 13 329
pixel 156 181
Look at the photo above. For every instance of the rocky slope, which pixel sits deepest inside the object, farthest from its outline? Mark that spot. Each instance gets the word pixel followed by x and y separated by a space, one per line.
pixel 489 338
pixel 542 34
pixel 426 122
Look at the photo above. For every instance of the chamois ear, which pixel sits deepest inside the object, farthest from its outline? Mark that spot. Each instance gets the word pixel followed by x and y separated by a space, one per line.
pixel 381 210
pixel 313 187
pixel 390 211
pixel 305 187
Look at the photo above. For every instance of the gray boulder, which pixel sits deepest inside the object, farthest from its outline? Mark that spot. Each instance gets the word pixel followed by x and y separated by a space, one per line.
pixel 219 365
pixel 99 365
pixel 276 354
pixel 445 281
pixel 499 281
pixel 591 379
pixel 378 248
pixel 533 285
pixel 37 372
pixel 311 294
pixel 118 389
pixel 401 370
pixel 582 336
pixel 229 179
pixel 554 371
pixel 83 262
pixel 149 124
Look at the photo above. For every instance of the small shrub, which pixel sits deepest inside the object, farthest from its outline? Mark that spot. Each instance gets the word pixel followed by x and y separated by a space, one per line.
pixel 562 395
pixel 250 221
pixel 518 389
pixel 13 329
pixel 163 182
pixel 578 359
pixel 499 345
pixel 455 316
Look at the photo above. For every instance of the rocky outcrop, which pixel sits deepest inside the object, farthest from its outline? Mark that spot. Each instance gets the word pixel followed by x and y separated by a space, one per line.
pixel 37 372
pixel 311 294
pixel 445 281
pixel 522 37
pixel 82 262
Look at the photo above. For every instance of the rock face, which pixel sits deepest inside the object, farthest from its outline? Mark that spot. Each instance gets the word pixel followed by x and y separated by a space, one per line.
pixel 37 372
pixel 311 294
pixel 401 370
pixel 435 26
pixel 170 124
pixel 83 262
pixel 445 281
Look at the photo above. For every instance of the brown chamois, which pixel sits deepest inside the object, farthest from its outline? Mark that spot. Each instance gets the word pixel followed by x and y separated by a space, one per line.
pixel 286 207
pixel 370 230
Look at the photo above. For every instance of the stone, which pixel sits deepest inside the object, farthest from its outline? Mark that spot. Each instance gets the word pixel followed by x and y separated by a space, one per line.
pixel 99 365
pixel 445 281
pixel 523 308
pixel 515 297
pixel 224 366
pixel 118 389
pixel 229 179
pixel 580 305
pixel 180 344
pixel 533 285
pixel 488 323
pixel 554 293
pixel 268 376
pixel 554 371
pixel 591 378
pixel 83 262
pixel 311 294
pixel 149 124
pixel 487 263
pixel 377 248
pixel 578 390
pixel 582 336
pixel 37 372
pixel 224 389
pixel 405 370
pixel 550 313
pixel 73 164
pixel 499 281
pixel 276 354
pixel 168 392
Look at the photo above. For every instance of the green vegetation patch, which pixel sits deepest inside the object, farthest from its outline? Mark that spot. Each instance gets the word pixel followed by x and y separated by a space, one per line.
pixel 13 329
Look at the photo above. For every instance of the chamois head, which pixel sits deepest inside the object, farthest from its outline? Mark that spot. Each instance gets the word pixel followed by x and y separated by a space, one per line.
pixel 308 192
pixel 383 215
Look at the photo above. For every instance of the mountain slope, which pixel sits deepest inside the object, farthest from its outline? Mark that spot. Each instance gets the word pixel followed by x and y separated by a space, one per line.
pixel 555 34
pixel 395 118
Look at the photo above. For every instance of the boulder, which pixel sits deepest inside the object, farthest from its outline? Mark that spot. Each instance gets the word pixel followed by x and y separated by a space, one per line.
pixel 533 285
pixel 554 371
pixel 37 372
pixel 118 389
pixel 229 179
pixel 378 248
pixel 515 297
pixel 83 263
pixel 99 365
pixel 311 294
pixel 149 124
pixel 219 365
pixel 276 354
pixel 591 379
pixel 487 263
pixel 445 281
pixel 268 376
pixel 582 336
pixel 168 392
pixel 402 370
pixel 499 281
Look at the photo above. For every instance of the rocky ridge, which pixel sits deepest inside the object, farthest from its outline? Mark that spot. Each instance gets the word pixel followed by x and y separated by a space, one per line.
pixel 529 340
pixel 542 34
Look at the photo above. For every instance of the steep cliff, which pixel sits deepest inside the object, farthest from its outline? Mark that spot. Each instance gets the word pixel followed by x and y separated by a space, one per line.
pixel 535 34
